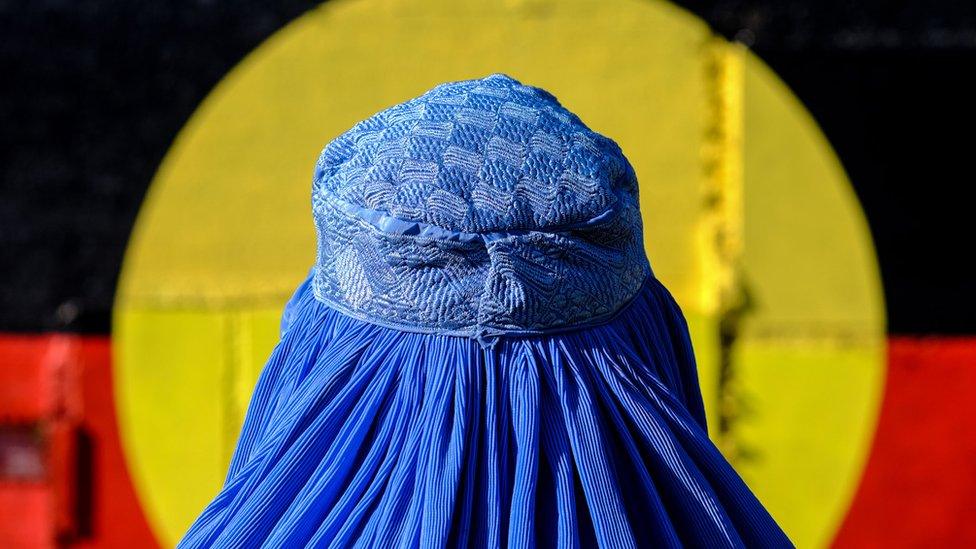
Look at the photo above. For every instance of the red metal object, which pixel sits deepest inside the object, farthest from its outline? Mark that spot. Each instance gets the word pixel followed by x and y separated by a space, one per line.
pixel 34 378
pixel 40 413
pixel 63 477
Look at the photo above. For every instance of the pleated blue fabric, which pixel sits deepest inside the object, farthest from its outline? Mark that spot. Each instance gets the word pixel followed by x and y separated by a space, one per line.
pixel 481 355
pixel 360 435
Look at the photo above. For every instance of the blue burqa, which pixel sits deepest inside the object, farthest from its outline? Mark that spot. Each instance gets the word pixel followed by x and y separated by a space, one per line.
pixel 481 355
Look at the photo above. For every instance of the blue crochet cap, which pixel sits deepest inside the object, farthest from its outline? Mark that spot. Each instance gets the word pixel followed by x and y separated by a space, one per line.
pixel 480 207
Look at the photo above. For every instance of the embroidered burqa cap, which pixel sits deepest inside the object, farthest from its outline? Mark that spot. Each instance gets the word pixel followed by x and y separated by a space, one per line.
pixel 480 207
pixel 481 355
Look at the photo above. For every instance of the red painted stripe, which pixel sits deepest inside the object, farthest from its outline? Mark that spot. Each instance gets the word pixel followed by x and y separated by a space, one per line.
pixel 919 486
pixel 918 489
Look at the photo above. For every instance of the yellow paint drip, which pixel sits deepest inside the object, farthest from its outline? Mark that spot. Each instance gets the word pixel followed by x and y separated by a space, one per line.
pixel 720 241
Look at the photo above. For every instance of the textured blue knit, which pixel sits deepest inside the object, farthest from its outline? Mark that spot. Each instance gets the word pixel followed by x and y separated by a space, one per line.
pixel 480 211
pixel 479 207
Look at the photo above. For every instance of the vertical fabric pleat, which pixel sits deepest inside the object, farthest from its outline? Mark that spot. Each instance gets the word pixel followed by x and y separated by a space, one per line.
pixel 523 396
pixel 359 435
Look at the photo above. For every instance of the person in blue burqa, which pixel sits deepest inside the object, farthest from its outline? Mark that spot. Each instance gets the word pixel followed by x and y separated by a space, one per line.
pixel 481 355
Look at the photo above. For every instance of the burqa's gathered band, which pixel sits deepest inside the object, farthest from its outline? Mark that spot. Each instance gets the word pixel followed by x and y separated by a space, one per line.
pixel 481 355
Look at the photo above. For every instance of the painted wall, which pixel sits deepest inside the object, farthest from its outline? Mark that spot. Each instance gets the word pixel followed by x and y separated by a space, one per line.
pixel 750 219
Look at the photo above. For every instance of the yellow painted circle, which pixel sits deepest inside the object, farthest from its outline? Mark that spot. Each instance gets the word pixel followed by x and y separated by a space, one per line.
pixel 226 234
